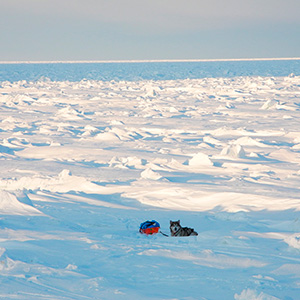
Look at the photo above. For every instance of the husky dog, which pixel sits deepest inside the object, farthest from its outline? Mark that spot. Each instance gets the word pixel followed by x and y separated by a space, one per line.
pixel 177 230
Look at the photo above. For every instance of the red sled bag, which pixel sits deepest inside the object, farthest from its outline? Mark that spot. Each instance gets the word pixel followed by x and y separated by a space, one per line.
pixel 149 227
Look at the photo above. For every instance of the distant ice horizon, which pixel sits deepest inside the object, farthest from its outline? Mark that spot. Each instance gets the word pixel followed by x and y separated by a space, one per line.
pixel 146 60
pixel 133 70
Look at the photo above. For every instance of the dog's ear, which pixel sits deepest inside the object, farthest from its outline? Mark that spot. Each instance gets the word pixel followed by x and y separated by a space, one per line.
pixel 179 222
pixel 171 222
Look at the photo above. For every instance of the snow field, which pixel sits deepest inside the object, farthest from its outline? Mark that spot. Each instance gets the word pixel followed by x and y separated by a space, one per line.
pixel 84 163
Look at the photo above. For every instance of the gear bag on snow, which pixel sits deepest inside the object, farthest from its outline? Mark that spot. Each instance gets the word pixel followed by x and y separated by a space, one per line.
pixel 149 227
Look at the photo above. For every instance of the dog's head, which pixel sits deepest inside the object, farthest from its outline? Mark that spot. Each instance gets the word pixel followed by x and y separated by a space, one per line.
pixel 174 226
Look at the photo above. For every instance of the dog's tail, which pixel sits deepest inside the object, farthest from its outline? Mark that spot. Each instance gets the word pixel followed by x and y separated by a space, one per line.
pixel 163 233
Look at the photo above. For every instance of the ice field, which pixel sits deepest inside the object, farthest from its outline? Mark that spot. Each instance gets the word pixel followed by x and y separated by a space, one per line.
pixel 84 161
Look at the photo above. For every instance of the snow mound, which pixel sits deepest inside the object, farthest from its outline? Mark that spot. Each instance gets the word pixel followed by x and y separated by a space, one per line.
pixel 116 122
pixel 69 113
pixel 135 162
pixel 151 92
pixel 293 241
pixel 89 131
pixel 62 183
pixel 10 205
pixel 206 258
pixel 195 200
pixel 248 141
pixel 127 162
pixel 211 140
pixel 200 159
pixel 270 104
pixel 150 174
pixel 234 151
pixel 249 294
pixel 2 250
pixel 107 137
pixel 122 134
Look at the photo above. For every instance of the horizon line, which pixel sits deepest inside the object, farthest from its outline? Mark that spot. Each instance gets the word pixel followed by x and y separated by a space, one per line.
pixel 145 60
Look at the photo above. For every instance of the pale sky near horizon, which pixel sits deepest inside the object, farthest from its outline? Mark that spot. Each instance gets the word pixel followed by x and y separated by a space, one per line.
pixel 148 29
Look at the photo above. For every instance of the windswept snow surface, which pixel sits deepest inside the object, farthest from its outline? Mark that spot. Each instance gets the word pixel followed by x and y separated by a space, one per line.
pixel 84 163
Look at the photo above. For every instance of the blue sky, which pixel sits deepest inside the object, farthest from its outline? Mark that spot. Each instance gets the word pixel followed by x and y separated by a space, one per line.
pixel 148 29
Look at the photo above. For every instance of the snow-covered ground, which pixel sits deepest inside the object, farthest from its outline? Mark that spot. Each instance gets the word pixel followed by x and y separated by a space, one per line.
pixel 84 163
